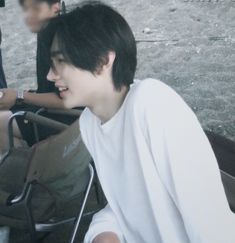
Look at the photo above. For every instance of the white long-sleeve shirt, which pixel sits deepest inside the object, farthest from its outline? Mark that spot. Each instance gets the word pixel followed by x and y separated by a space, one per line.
pixel 158 171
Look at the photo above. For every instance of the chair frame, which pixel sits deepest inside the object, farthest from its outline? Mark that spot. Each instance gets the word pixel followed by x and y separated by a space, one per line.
pixel 26 193
pixel 74 113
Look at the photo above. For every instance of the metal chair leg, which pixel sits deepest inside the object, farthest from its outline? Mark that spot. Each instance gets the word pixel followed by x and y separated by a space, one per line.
pixel 78 220
pixel 35 126
pixel 29 215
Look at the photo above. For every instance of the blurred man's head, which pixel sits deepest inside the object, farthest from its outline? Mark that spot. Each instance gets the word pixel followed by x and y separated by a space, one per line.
pixel 36 12
pixel 2 3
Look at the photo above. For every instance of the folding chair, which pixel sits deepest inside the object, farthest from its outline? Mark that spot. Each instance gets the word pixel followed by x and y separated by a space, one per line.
pixel 101 200
pixel 56 171
pixel 224 150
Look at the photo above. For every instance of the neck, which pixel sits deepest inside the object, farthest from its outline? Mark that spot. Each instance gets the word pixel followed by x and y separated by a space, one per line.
pixel 108 104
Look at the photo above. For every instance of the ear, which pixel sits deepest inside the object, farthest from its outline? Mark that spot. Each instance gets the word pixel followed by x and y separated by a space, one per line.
pixel 110 58
pixel 55 8
pixel 108 63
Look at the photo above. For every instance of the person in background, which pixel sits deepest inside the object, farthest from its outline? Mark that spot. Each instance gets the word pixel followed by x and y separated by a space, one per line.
pixel 154 161
pixel 36 14
pixel 4 231
pixel 3 83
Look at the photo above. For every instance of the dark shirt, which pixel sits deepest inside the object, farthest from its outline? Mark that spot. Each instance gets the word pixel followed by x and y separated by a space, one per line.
pixel 43 64
pixel 2 76
pixel 44 86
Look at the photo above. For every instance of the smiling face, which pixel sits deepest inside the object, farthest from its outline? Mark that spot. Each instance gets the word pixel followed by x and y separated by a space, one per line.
pixel 93 54
pixel 78 87
pixel 36 13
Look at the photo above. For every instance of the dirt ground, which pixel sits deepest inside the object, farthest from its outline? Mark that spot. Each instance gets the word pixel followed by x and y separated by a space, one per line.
pixel 188 44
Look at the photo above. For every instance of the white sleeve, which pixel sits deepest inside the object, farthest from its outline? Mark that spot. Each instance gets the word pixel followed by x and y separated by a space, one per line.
pixel 103 221
pixel 196 185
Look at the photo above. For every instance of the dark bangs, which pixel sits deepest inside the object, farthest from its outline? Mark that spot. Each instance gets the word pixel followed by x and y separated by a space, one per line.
pixel 86 35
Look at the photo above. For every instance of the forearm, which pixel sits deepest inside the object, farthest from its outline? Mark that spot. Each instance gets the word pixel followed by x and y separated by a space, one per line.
pixel 47 100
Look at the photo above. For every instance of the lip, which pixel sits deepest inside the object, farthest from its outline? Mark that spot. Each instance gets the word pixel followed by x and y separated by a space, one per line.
pixel 60 87
pixel 63 93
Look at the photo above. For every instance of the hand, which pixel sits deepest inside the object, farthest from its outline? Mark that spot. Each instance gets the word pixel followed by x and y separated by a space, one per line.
pixel 8 99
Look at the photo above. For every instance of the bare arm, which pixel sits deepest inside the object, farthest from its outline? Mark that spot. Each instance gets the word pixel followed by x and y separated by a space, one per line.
pixel 47 100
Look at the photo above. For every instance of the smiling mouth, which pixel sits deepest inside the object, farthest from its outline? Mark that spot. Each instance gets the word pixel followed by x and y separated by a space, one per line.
pixel 62 91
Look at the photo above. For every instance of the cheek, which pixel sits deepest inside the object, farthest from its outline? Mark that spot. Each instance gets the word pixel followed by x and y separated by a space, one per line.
pixel 42 16
pixel 70 77
pixel 30 20
pixel 77 80
pixel 82 84
pixel 33 23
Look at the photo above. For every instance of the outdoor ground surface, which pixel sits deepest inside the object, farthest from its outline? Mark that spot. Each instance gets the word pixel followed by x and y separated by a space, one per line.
pixel 187 44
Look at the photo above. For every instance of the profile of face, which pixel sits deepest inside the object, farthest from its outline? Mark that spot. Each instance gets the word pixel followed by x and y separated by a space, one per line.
pixel 78 87
pixel 36 13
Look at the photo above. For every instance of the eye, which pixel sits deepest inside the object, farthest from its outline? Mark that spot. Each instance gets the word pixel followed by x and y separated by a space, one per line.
pixel 52 64
pixel 60 60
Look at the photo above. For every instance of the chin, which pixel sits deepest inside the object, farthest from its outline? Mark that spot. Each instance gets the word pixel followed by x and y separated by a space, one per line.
pixel 69 104
pixel 35 29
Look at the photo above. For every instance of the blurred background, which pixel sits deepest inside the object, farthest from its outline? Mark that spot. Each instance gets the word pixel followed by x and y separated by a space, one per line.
pixel 188 44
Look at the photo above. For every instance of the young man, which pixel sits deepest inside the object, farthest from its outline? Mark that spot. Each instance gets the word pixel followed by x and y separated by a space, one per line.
pixel 155 164
pixel 36 13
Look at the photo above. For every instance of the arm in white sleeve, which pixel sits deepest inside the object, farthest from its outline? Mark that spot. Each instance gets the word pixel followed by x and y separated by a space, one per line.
pixel 196 185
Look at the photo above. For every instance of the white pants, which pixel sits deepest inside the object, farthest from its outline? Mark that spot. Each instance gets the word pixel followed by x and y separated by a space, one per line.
pixel 103 221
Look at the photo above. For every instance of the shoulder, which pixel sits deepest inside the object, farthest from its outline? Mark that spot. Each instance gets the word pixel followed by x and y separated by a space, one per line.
pixel 152 96
pixel 153 92
pixel 151 88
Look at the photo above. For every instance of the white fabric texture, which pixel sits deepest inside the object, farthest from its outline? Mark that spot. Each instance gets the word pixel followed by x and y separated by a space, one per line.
pixel 104 221
pixel 157 170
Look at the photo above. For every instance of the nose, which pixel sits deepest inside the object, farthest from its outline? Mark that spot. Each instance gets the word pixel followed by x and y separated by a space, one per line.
pixel 52 75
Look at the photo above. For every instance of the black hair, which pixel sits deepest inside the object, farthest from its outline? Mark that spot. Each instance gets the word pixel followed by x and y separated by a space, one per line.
pixel 87 34
pixel 2 3
pixel 49 2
